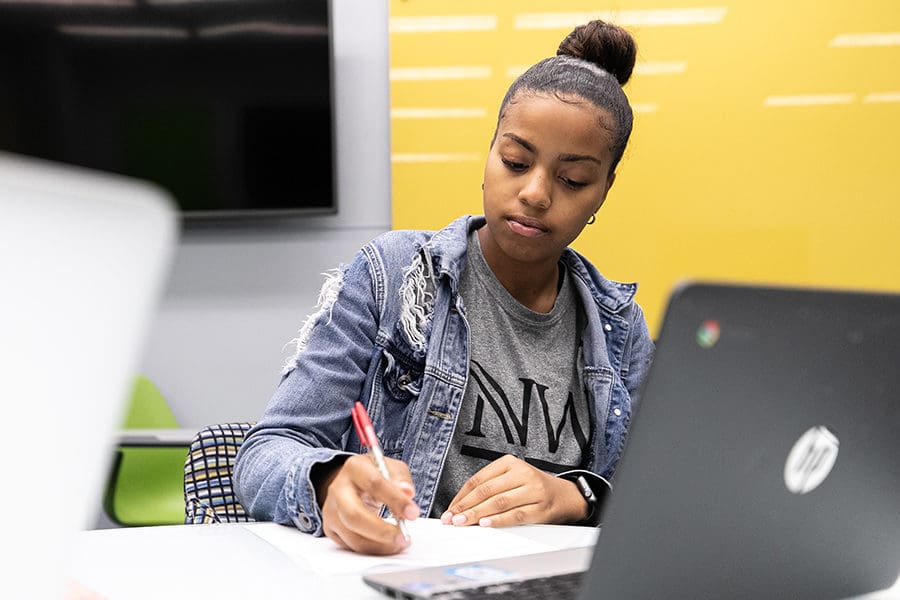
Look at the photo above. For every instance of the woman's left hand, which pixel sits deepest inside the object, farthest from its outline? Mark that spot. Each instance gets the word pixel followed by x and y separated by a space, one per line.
pixel 509 491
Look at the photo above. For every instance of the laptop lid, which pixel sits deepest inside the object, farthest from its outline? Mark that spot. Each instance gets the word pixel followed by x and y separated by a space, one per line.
pixel 761 461
pixel 83 256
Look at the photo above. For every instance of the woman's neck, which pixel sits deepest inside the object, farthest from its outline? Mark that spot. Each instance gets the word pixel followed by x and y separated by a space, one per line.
pixel 533 285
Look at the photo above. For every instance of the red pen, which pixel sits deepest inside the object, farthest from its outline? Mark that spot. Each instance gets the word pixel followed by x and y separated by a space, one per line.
pixel 366 433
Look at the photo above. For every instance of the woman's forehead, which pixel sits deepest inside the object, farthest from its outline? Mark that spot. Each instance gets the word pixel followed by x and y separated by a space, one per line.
pixel 546 118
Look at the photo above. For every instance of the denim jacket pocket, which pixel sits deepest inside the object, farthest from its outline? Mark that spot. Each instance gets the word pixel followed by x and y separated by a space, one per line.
pixel 401 376
pixel 401 382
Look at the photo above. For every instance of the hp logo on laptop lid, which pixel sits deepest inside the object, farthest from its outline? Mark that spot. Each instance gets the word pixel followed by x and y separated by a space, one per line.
pixel 810 460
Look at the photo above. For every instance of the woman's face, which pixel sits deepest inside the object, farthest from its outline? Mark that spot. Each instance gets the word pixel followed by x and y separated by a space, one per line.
pixel 546 174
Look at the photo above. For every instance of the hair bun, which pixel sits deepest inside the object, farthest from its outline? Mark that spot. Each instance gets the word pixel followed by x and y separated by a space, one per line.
pixel 608 46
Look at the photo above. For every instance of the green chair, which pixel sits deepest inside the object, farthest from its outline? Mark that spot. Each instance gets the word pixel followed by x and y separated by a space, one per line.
pixel 145 486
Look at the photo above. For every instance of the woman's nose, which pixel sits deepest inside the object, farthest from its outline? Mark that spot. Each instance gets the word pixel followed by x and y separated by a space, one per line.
pixel 536 189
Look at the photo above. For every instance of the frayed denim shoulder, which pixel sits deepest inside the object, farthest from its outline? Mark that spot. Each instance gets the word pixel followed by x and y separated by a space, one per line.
pixel 334 281
pixel 417 299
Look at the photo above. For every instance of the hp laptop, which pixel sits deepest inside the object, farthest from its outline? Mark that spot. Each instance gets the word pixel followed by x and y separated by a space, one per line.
pixel 83 256
pixel 763 461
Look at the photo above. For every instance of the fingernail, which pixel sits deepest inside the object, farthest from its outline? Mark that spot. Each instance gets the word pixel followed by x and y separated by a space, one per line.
pixel 485 522
pixel 402 541
pixel 459 519
pixel 447 517
pixel 407 487
pixel 410 512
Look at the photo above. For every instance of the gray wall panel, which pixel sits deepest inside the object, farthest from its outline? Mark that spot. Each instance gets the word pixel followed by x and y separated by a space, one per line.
pixel 239 292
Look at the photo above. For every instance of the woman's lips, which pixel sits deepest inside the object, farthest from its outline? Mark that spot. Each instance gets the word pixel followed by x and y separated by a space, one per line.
pixel 526 227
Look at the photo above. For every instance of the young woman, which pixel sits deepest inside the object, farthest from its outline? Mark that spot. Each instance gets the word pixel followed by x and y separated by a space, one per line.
pixel 499 367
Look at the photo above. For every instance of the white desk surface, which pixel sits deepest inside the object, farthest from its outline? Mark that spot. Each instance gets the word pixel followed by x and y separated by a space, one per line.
pixel 255 561
pixel 251 560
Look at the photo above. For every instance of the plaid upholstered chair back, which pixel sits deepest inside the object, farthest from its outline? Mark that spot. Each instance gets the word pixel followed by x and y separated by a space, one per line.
pixel 208 494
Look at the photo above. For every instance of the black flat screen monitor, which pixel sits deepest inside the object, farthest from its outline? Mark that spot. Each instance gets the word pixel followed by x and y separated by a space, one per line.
pixel 228 104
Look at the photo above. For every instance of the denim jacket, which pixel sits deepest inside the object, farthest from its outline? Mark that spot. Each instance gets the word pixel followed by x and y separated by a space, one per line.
pixel 391 332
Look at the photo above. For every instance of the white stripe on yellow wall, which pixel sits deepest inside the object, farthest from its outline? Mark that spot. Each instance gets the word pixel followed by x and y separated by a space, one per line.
pixel 644 107
pixel 435 73
pixel 645 68
pixel 438 113
pixel 809 100
pixel 443 23
pixel 627 18
pixel 516 70
pixel 883 97
pixel 432 158
pixel 851 40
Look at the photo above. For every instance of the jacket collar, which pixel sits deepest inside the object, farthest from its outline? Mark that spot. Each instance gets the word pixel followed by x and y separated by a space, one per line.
pixel 447 250
pixel 611 295
pixel 447 247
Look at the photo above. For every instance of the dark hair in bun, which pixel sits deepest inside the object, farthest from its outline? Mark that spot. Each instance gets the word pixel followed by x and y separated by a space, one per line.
pixel 606 45
pixel 594 61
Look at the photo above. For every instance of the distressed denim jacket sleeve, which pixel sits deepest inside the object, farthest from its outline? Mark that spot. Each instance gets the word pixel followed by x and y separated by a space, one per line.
pixel 307 421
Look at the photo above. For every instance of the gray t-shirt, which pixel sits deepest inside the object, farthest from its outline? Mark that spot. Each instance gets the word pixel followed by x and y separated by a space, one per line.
pixel 525 394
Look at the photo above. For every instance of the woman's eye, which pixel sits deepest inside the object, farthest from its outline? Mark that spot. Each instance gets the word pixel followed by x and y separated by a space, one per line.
pixel 571 183
pixel 514 166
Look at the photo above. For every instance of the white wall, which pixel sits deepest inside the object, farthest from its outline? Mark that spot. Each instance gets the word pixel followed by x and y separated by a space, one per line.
pixel 239 293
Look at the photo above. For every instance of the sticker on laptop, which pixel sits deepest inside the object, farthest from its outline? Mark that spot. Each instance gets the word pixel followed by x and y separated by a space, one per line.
pixel 479 573
pixel 418 586
pixel 708 333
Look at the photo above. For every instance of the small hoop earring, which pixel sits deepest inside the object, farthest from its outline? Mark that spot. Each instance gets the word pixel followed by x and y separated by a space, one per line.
pixel 482 187
pixel 592 219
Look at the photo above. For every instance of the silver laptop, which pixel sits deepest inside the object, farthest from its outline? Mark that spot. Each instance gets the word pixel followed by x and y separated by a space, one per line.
pixel 763 462
pixel 83 257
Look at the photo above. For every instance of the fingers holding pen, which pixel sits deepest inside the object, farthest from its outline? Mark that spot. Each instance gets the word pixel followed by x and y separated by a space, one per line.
pixel 363 531
pixel 396 493
pixel 353 491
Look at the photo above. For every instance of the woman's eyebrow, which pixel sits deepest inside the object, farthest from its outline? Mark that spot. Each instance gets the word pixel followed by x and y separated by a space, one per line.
pixel 562 157
pixel 578 157
pixel 521 141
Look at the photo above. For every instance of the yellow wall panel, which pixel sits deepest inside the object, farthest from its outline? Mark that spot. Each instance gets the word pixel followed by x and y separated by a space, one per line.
pixel 762 150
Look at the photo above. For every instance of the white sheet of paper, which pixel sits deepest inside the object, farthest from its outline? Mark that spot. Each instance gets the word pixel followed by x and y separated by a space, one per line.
pixel 432 544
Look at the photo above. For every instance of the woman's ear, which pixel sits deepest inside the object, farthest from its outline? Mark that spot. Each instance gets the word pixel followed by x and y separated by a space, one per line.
pixel 609 182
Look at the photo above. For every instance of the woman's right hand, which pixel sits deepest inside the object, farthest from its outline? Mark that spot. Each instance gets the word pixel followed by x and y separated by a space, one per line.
pixel 351 495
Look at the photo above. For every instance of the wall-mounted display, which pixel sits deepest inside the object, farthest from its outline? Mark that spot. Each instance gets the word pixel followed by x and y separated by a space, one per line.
pixel 228 104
